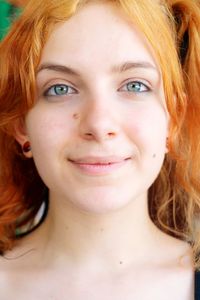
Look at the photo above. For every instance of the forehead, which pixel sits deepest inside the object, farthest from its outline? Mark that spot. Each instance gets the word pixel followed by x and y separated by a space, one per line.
pixel 97 32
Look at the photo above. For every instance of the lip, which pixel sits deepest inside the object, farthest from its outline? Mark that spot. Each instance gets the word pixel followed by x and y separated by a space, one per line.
pixel 94 165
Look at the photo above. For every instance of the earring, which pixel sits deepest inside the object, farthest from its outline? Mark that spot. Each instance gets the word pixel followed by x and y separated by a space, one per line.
pixel 167 142
pixel 26 147
pixel 168 145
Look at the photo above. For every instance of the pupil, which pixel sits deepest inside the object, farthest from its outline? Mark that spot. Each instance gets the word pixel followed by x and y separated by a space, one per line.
pixel 134 86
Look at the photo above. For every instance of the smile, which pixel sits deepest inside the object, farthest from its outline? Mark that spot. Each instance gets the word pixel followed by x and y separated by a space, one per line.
pixel 99 165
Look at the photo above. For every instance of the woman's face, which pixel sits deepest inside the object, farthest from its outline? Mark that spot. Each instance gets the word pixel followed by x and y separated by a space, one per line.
pixel 99 126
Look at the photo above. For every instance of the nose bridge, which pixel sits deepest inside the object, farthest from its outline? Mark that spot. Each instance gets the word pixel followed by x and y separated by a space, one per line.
pixel 99 119
pixel 99 110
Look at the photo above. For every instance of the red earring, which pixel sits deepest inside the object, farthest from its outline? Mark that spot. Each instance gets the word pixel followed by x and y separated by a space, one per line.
pixel 26 147
pixel 167 143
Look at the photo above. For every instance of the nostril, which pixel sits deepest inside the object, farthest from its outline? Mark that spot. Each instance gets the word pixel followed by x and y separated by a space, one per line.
pixel 88 134
pixel 111 134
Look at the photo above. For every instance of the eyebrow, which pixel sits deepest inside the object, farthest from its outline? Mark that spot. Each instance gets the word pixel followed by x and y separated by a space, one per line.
pixel 133 65
pixel 114 69
pixel 58 68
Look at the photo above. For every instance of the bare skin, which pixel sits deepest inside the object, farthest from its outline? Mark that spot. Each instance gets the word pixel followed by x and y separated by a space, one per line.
pixel 97 266
pixel 98 241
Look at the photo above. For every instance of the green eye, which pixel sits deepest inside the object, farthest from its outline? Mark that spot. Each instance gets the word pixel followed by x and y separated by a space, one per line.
pixel 59 90
pixel 136 86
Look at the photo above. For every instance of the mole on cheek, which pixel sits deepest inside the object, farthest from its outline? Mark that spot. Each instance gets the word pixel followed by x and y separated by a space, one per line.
pixel 154 155
pixel 75 116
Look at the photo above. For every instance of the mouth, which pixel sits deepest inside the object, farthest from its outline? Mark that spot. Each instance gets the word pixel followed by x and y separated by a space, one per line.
pixel 99 165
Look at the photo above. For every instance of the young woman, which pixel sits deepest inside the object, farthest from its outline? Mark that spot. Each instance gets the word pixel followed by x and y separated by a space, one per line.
pixel 99 123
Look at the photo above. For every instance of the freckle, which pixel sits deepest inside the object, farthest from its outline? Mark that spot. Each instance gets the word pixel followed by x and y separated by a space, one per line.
pixel 121 262
pixel 154 155
pixel 75 116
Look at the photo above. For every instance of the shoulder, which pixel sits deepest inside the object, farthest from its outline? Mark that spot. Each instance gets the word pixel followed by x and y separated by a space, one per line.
pixel 174 249
pixel 18 267
pixel 175 268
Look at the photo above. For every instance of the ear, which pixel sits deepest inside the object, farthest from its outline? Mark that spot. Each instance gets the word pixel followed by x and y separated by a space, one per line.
pixel 21 136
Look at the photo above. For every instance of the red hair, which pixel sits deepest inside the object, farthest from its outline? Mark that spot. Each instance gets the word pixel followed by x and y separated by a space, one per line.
pixel 174 199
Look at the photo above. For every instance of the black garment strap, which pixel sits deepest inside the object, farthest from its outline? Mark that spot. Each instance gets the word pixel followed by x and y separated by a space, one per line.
pixel 45 212
pixel 197 286
pixel 21 232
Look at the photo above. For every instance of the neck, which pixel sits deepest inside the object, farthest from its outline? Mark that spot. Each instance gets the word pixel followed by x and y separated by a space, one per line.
pixel 114 238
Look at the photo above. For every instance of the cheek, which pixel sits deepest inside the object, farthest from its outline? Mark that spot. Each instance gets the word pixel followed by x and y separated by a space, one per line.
pixel 148 128
pixel 47 130
pixel 48 133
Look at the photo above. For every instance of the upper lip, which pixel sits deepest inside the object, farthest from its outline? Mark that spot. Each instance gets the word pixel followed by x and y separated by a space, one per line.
pixel 99 159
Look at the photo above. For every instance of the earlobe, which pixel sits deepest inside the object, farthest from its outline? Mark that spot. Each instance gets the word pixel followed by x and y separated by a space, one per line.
pixel 26 148
pixel 22 138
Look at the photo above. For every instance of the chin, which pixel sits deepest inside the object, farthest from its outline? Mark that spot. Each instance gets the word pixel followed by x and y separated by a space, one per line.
pixel 102 202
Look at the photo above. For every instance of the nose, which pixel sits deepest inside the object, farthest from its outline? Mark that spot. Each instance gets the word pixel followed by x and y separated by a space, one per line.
pixel 99 122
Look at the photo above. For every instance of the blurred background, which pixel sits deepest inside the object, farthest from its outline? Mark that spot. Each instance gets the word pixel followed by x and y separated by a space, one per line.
pixel 9 11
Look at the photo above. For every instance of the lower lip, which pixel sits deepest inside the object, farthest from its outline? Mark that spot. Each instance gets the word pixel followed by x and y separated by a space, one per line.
pixel 100 169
